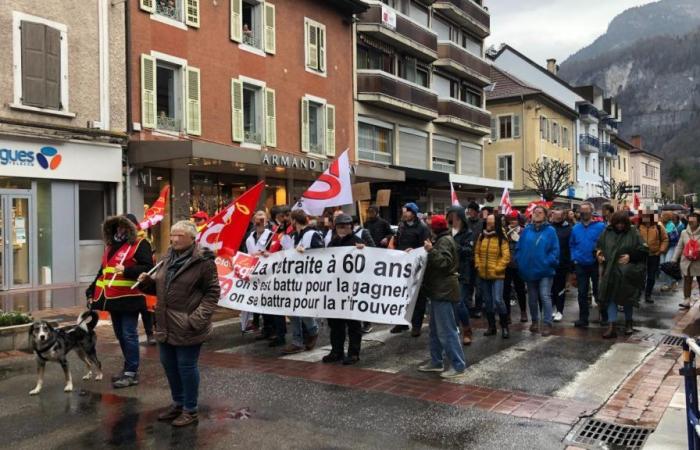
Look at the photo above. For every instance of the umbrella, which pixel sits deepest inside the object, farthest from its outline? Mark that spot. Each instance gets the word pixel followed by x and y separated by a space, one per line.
pixel 672 207
pixel 672 269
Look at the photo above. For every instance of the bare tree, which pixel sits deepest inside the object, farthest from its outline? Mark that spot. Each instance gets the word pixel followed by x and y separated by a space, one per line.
pixel 549 177
pixel 613 189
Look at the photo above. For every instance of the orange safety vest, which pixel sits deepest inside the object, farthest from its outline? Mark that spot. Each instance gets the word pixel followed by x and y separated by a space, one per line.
pixel 120 286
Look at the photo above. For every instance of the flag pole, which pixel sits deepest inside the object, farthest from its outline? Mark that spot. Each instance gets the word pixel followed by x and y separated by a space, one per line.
pixel 120 263
pixel 359 214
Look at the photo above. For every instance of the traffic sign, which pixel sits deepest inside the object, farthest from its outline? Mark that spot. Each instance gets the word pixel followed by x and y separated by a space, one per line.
pixel 631 189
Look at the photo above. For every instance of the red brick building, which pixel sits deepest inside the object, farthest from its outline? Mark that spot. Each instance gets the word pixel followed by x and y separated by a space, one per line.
pixel 225 93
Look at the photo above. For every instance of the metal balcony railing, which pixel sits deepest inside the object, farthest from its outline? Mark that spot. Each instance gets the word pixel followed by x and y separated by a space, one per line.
pixel 253 137
pixel 589 140
pixel 164 122
pixel 588 110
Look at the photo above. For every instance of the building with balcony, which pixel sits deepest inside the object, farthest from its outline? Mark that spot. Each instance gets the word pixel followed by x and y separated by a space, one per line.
pixel 621 164
pixel 420 106
pixel 527 125
pixel 62 134
pixel 645 172
pixel 270 98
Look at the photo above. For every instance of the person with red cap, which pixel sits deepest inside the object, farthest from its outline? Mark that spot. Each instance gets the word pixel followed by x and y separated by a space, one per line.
pixel 441 286
pixel 200 219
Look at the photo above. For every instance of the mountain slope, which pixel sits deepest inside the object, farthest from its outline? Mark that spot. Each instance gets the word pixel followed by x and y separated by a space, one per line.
pixel 666 17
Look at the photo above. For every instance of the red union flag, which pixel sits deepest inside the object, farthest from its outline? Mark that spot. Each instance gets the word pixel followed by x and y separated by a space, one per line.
pixel 531 207
pixel 332 188
pixel 505 206
pixel 453 196
pixel 224 232
pixel 155 213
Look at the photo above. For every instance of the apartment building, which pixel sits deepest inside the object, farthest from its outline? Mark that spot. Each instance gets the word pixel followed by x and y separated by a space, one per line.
pixel 420 106
pixel 62 123
pixel 645 171
pixel 621 165
pixel 527 125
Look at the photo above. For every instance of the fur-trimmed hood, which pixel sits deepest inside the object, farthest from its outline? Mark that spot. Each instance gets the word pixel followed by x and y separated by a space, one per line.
pixel 109 229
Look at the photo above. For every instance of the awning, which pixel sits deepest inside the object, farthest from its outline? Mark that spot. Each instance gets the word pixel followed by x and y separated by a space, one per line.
pixel 479 181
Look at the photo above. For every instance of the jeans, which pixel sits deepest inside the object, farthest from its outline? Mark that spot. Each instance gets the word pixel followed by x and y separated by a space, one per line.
pixel 298 323
pixel 612 312
pixel 466 290
pixel 558 289
pixel 180 364
pixel 337 327
pixel 444 336
pixel 584 276
pixel 653 263
pixel 492 293
pixel 125 326
pixel 513 279
pixel 540 291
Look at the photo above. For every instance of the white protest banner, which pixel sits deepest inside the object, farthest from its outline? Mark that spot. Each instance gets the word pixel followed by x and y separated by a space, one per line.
pixel 371 285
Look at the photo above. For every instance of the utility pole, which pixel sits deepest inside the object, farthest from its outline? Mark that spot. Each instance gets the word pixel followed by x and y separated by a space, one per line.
pixel 673 187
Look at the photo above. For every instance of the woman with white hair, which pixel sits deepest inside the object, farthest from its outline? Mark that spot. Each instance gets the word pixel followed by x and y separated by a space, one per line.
pixel 187 287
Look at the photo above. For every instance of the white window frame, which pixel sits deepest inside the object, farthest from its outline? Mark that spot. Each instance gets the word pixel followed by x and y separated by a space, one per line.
pixel 323 102
pixel 498 166
pixel 324 72
pixel 167 20
pixel 378 124
pixel 17 18
pixel 182 64
pixel 261 85
pixel 261 19
pixel 498 127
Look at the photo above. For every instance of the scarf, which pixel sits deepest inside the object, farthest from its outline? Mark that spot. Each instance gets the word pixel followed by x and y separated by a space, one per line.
pixel 175 263
pixel 487 233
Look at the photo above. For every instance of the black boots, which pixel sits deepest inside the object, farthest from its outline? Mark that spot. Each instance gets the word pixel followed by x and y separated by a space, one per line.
pixel 505 333
pixel 491 318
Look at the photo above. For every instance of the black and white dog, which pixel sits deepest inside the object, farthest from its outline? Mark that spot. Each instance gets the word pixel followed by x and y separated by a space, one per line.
pixel 54 344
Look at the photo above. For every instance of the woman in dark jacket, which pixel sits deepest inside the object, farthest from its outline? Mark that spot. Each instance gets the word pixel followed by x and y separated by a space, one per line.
pixel 125 257
pixel 344 237
pixel 457 220
pixel 622 253
pixel 187 286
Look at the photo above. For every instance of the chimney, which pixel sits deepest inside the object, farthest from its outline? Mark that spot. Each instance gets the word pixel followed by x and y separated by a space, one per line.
pixel 552 66
pixel 636 140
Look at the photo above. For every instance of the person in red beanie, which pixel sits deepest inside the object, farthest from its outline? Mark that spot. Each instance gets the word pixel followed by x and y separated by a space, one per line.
pixel 441 286
pixel 200 219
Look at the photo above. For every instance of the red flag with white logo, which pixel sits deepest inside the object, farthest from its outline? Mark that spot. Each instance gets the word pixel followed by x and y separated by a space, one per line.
pixel 225 231
pixel 505 206
pixel 155 213
pixel 453 196
pixel 332 188
pixel 531 207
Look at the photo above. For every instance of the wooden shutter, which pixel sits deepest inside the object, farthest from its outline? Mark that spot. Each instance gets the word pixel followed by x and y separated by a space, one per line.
pixel 236 20
pixel 311 47
pixel 147 5
pixel 516 125
pixel 494 129
pixel 330 130
pixel 270 118
pixel 33 64
pixel 269 19
pixel 192 13
pixel 321 49
pixel 305 125
pixel 237 110
pixel 194 106
pixel 148 91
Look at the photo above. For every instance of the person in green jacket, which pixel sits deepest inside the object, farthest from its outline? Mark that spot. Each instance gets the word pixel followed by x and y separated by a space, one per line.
pixel 441 286
pixel 622 253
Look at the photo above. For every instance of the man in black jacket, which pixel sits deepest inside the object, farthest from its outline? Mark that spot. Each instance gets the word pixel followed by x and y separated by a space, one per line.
pixel 378 227
pixel 457 220
pixel 476 224
pixel 559 285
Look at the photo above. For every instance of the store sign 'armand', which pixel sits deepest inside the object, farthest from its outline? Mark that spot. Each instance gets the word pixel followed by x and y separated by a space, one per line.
pixel 296 162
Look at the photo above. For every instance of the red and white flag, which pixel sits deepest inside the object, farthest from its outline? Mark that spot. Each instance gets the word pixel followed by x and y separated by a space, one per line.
pixel 453 196
pixel 332 188
pixel 531 207
pixel 225 231
pixel 505 206
pixel 155 213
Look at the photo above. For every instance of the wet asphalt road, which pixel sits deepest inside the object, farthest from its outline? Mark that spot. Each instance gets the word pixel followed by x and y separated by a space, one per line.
pixel 294 413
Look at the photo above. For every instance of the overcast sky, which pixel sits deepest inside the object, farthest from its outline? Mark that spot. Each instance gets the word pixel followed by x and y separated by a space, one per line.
pixel 543 29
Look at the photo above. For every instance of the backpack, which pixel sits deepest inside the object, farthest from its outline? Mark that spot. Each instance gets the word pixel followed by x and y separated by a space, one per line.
pixel 691 251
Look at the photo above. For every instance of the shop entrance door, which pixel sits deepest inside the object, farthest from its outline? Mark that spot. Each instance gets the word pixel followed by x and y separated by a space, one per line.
pixel 16 258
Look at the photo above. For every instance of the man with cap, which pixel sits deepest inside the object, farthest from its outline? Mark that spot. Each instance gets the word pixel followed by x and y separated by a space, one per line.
pixel 344 237
pixel 200 219
pixel 412 234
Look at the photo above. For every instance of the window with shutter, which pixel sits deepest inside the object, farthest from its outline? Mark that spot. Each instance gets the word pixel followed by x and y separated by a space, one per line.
pixel 148 91
pixel 41 65
pixel 312 47
pixel 471 159
pixel 494 129
pixel 237 110
pixel 236 21
pixel 194 110
pixel 505 168
pixel 330 130
pixel 304 125
pixel 271 118
pixel 315 44
pixel 505 127
pixel 192 13
pixel 516 126
pixel 270 44
pixel 444 154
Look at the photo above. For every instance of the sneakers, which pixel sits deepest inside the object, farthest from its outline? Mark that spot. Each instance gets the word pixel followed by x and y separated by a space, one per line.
pixel 558 316
pixel 292 349
pixel 117 376
pixel 186 418
pixel 452 373
pixel 429 367
pixel 150 340
pixel 367 327
pixel 125 381
pixel 332 357
pixel 172 413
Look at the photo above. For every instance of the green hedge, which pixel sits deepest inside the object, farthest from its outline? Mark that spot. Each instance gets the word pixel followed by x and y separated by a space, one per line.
pixel 14 318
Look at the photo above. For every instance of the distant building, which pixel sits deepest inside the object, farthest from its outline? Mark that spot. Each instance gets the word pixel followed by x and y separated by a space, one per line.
pixel 645 172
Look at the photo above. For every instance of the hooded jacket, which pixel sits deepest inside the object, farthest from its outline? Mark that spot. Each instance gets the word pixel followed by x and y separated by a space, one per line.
pixel 583 242
pixel 654 234
pixel 465 246
pixel 621 283
pixel 537 252
pixel 440 282
pixel 144 262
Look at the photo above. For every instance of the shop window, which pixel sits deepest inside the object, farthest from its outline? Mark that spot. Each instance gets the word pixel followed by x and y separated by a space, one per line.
pixel 505 168
pixel 91 209
pixel 375 143
pixel 317 127
pixel 315 45
pixel 253 24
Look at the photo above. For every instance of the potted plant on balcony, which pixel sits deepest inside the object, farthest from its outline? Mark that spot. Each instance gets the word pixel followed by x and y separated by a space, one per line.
pixel 14 328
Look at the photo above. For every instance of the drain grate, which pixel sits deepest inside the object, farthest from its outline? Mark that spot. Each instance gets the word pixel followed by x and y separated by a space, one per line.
pixel 594 432
pixel 669 339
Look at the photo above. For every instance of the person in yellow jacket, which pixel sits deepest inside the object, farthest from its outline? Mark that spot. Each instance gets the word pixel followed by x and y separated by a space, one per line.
pixel 491 257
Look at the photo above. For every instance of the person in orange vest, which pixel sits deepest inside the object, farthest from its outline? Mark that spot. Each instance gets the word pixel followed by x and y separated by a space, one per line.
pixel 125 257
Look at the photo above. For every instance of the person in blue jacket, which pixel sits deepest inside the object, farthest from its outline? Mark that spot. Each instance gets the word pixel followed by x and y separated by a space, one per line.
pixel 583 241
pixel 537 254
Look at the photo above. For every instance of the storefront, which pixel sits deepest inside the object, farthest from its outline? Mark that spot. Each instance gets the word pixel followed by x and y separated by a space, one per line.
pixel 54 196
